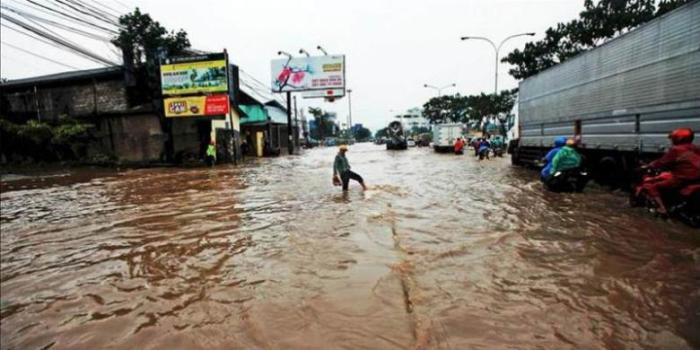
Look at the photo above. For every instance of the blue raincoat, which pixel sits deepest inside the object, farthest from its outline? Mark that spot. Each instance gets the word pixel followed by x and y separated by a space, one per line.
pixel 559 142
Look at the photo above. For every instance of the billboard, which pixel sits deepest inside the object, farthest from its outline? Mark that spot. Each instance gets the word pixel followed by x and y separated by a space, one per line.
pixel 191 77
pixel 194 106
pixel 308 73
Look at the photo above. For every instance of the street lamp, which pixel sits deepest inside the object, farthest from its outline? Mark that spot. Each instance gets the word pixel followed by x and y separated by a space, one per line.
pixel 439 89
pixel 322 50
pixel 290 140
pixel 304 52
pixel 497 49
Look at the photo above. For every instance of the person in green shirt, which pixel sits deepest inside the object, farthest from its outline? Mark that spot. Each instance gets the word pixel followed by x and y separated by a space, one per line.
pixel 211 154
pixel 567 158
pixel 342 172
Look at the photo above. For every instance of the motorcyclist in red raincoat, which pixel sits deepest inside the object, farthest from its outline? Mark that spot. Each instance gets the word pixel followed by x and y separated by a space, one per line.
pixel 683 163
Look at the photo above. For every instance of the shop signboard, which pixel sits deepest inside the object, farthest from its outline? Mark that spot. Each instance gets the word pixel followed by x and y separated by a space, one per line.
pixel 308 73
pixel 196 106
pixel 194 74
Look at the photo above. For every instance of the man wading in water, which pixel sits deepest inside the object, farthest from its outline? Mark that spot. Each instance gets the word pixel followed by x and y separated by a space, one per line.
pixel 342 172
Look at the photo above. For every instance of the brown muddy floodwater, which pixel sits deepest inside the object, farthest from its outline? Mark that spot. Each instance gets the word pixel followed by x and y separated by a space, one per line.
pixel 443 252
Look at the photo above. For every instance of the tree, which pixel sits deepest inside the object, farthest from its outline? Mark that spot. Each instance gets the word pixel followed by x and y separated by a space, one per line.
pixel 142 39
pixel 324 124
pixel 596 23
pixel 363 134
pixel 462 109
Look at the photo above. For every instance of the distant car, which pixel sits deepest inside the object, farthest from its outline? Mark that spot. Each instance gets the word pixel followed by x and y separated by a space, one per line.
pixel 410 143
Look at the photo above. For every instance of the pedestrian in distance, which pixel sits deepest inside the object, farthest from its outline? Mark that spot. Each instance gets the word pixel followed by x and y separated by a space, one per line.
pixel 341 170
pixel 244 149
pixel 211 154
pixel 459 146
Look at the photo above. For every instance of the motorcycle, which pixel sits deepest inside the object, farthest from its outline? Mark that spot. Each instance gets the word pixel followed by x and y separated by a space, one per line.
pixel 570 180
pixel 683 203
pixel 498 151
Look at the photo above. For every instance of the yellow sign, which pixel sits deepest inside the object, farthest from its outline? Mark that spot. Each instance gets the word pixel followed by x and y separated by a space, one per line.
pixel 193 77
pixel 196 106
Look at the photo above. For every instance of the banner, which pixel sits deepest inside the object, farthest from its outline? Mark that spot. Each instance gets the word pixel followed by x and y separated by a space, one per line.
pixel 193 77
pixel 195 106
pixel 308 73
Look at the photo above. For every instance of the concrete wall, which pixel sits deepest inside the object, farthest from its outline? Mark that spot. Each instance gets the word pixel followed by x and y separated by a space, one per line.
pixel 133 138
pixel 73 99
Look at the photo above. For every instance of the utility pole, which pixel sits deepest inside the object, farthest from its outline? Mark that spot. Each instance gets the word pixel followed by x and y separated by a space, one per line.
pixel 350 111
pixel 290 142
pixel 296 123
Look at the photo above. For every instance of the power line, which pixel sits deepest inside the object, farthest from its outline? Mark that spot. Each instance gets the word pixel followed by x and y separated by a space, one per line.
pixel 87 13
pixel 73 17
pixel 33 18
pixel 38 56
pixel 58 40
pixel 101 3
pixel 96 10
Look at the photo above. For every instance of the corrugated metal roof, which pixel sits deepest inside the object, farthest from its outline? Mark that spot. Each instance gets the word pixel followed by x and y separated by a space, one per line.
pixel 72 75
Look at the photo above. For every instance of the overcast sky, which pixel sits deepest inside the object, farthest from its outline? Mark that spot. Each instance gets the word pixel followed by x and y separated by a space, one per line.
pixel 392 47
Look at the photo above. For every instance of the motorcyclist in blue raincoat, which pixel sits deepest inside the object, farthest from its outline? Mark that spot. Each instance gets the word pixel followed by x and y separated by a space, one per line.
pixel 559 142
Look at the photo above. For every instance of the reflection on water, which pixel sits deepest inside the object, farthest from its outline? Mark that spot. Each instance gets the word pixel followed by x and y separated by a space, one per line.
pixel 442 252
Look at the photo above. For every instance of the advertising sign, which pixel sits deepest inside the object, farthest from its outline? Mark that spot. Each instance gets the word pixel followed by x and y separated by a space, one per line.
pixel 308 73
pixel 183 78
pixel 195 106
pixel 335 93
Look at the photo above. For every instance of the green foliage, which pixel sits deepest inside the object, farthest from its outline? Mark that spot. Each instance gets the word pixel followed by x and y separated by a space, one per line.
pixel 324 122
pixel 142 39
pixel 42 141
pixel 68 133
pixel 597 22
pixel 461 109
pixel 363 134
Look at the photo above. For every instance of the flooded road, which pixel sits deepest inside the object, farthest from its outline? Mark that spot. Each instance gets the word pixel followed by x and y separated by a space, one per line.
pixel 443 252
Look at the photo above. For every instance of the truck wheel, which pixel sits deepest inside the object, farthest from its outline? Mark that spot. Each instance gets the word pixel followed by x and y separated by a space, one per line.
pixel 515 157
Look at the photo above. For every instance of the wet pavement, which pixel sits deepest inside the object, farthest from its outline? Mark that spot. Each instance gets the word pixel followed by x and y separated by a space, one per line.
pixel 443 252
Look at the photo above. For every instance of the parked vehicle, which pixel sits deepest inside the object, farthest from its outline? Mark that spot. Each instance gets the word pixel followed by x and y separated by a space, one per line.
pixel 618 101
pixel 683 204
pixel 397 138
pixel 445 135
pixel 410 143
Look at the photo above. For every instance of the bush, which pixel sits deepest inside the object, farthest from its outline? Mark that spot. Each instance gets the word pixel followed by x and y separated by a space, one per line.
pixel 39 140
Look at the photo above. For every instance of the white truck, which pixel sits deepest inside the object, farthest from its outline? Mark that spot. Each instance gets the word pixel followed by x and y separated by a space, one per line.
pixel 619 100
pixel 445 135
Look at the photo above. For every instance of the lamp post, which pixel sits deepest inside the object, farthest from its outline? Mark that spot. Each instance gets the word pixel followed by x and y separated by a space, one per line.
pixel 304 52
pixel 439 89
pixel 290 140
pixel 496 49
pixel 322 50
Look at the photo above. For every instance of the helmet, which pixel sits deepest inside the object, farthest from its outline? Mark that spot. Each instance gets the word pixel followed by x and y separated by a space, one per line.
pixel 682 136
pixel 560 141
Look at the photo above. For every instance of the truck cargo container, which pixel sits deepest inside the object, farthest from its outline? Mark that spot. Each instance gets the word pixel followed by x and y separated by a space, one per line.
pixel 619 100
pixel 445 135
